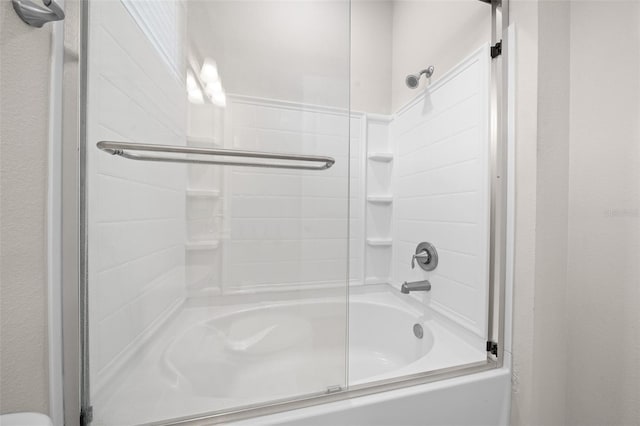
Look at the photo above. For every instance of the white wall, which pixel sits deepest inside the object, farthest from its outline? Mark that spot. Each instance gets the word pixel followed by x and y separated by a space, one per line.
pixel 289 227
pixel 25 58
pixel 539 381
pixel 371 28
pixel 603 292
pixel 136 209
pixel 578 238
pixel 433 32
pixel 552 193
pixel 204 202
pixel 442 193
pixel 524 15
pixel 289 50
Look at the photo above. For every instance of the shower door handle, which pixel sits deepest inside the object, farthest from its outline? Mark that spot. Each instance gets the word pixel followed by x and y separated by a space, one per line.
pixel 36 15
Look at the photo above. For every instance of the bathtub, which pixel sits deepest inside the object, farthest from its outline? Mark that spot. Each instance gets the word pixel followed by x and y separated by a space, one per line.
pixel 238 353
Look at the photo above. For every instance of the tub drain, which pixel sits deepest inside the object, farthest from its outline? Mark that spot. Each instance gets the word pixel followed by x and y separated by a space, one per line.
pixel 418 331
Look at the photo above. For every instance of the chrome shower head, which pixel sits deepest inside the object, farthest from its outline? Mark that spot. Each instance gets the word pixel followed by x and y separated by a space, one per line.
pixel 412 80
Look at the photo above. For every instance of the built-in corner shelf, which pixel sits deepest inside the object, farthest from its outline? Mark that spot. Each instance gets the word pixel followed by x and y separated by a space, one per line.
pixel 383 157
pixel 202 245
pixel 380 199
pixel 379 242
pixel 377 280
pixel 203 193
pixel 202 141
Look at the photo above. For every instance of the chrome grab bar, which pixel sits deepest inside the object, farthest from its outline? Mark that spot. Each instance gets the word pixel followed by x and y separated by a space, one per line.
pixel 122 149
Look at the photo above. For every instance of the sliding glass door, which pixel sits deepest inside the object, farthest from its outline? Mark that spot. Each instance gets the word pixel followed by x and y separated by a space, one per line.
pixel 218 191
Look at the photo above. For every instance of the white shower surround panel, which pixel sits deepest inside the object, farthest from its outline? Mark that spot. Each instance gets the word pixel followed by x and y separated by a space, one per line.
pixel 441 188
pixel 289 227
pixel 136 215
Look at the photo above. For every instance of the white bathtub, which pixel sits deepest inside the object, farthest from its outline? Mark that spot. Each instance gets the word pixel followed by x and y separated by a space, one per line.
pixel 212 358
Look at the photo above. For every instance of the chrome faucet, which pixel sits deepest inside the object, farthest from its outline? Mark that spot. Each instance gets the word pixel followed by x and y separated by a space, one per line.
pixel 424 285
pixel 423 257
pixel 426 257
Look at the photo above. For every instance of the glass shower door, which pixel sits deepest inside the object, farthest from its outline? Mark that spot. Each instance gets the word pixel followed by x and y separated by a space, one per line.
pixel 217 175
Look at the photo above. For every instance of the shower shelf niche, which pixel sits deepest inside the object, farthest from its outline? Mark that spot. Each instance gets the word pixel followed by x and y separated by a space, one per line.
pixel 379 242
pixel 203 141
pixel 380 199
pixel 202 245
pixel 384 157
pixel 205 198
pixel 203 193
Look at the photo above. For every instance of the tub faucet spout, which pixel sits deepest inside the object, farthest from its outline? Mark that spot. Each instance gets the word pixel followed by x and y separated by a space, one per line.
pixel 407 288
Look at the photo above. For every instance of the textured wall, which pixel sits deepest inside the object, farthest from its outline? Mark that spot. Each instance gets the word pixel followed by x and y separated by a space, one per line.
pixel 578 227
pixel 524 14
pixel 552 186
pixel 24 106
pixel 604 210
pixel 548 381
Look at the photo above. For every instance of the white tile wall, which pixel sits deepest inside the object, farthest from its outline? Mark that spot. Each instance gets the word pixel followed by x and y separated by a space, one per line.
pixel 289 227
pixel 136 209
pixel 442 193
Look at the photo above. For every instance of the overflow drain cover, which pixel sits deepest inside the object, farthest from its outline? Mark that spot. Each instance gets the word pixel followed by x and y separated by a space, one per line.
pixel 418 331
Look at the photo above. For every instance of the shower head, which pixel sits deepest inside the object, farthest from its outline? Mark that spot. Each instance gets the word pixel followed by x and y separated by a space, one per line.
pixel 412 80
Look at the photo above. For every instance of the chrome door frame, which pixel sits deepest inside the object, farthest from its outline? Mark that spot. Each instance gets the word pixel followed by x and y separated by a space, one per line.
pixel 73 223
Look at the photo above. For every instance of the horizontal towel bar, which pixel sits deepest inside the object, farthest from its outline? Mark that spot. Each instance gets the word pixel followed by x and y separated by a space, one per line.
pixel 122 149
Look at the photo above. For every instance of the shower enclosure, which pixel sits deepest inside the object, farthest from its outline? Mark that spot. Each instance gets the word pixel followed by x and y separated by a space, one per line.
pixel 257 230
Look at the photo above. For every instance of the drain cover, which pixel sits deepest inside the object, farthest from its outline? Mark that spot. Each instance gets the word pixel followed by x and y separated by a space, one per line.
pixel 418 331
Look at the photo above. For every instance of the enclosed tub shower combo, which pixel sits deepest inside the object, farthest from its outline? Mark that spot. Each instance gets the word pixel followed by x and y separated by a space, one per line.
pixel 258 245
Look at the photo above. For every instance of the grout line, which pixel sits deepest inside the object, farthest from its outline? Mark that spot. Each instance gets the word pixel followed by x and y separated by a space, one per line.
pixel 443 194
pixel 159 88
pixel 438 141
pixel 446 166
pixel 423 123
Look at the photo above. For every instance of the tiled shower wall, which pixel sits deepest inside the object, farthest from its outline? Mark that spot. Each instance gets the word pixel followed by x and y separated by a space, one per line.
pixel 136 209
pixel 442 191
pixel 289 227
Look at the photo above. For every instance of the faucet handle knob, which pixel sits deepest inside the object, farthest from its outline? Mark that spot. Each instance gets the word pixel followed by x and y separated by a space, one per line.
pixel 426 255
pixel 423 256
